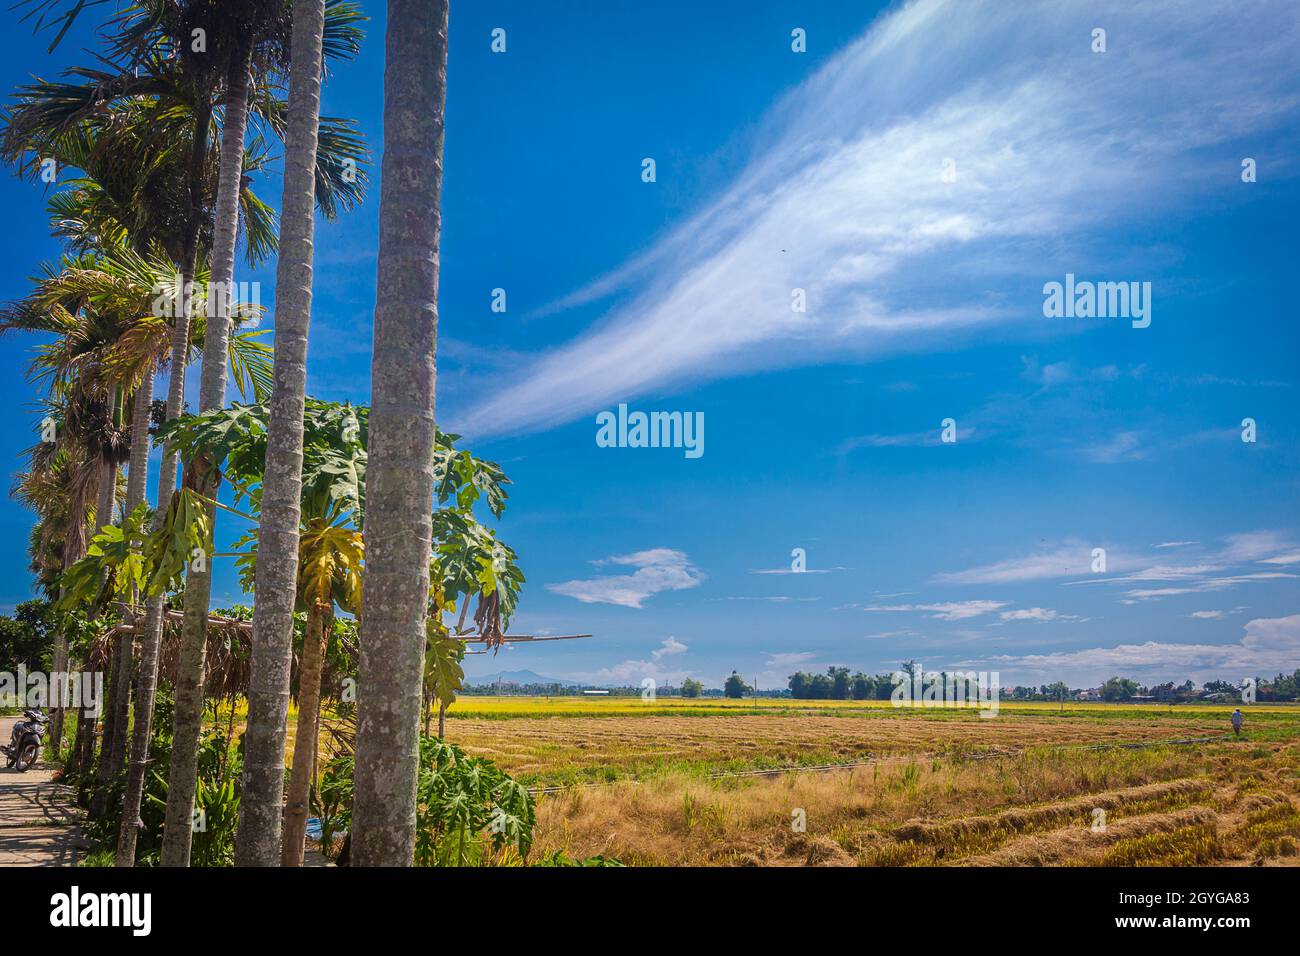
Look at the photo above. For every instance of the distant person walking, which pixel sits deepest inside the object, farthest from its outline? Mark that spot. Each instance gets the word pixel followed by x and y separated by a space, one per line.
pixel 1236 721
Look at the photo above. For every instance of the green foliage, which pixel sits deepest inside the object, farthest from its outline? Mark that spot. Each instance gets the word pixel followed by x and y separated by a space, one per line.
pixel 469 812
pixel 252 361
pixel 216 800
pixel 460 476
pixel 115 564
pixel 692 688
pixel 1057 691
pixel 735 686
pixel 186 528
pixel 331 801
pixel 838 684
pixel 469 560
pixel 443 674
pixel 467 808
pixel 26 638
pixel 560 858
pixel 217 795
pixel 1118 688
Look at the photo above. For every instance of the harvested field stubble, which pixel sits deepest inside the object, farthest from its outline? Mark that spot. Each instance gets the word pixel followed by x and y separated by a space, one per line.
pixel 1022 789
pixel 576 749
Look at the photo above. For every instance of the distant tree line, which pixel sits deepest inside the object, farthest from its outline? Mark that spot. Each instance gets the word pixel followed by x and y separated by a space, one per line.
pixel 838 684
pixel 1281 688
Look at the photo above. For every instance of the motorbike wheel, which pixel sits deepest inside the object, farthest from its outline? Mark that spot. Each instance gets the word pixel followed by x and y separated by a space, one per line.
pixel 27 755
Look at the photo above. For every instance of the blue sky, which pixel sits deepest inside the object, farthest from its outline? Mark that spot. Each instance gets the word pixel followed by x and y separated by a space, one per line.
pixel 832 171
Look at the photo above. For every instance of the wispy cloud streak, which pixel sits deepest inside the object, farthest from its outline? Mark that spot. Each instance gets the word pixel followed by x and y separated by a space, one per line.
pixel 844 198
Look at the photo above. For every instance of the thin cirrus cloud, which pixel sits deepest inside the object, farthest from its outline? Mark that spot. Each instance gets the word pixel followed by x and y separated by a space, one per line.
pixel 1067 559
pixel 656 570
pixel 905 440
pixel 800 571
pixel 1053 146
pixel 1039 614
pixel 1267 646
pixel 945 611
pixel 1236 561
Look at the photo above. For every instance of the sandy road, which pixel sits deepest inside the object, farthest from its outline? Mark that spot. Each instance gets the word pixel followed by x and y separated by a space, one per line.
pixel 38 817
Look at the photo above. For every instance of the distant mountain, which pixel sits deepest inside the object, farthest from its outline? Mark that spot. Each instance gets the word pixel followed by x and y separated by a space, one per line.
pixel 518 677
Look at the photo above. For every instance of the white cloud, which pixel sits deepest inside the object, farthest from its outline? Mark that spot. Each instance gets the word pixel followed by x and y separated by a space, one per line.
pixel 804 571
pixel 1069 559
pixel 844 198
pixel 905 440
pixel 1292 557
pixel 773 598
pixel 631 673
pixel 1036 614
pixel 1125 446
pixel 1054 373
pixel 668 648
pixel 1257 546
pixel 947 611
pixel 1209 584
pixel 1269 645
pixel 1206 572
pixel 659 569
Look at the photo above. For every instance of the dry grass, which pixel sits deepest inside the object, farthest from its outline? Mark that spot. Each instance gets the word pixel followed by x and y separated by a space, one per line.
pixel 576 749
pixel 905 813
pixel 640 782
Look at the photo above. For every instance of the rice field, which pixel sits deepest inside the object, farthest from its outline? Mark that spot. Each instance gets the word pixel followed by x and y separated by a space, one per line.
pixel 779 782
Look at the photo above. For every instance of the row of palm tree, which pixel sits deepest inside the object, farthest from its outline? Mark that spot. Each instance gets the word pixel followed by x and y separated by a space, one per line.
pixel 165 134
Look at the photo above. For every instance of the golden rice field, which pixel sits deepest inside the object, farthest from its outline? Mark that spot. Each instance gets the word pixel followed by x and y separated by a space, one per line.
pixel 714 782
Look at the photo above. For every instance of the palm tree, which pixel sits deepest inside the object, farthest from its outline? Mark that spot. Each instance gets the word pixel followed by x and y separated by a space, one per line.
pixel 59 485
pixel 125 287
pixel 245 51
pixel 212 394
pixel 258 840
pixel 252 35
pixel 140 153
pixel 398 529
pixel 107 343
pixel 54 483
pixel 74 366
pixel 468 560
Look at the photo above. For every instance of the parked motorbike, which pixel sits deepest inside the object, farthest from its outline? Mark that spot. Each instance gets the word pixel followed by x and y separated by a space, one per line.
pixel 25 742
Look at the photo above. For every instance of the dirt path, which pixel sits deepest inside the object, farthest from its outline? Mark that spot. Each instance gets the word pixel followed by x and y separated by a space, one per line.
pixel 38 817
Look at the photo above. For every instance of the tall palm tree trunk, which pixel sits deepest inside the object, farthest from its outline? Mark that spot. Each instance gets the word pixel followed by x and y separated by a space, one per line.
pixel 260 809
pixel 137 483
pixel 151 636
pixel 117 720
pixel 104 515
pixel 399 482
pixel 83 748
pixel 107 502
pixel 188 716
pixel 305 743
pixel 151 639
pixel 114 685
pixel 74 549
pixel 85 732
